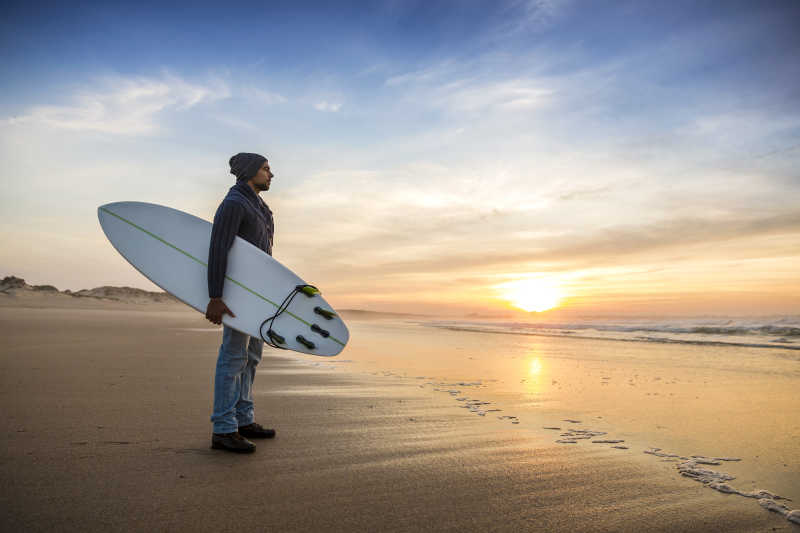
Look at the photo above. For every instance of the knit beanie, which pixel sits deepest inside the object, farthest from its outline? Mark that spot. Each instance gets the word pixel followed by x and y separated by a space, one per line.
pixel 244 166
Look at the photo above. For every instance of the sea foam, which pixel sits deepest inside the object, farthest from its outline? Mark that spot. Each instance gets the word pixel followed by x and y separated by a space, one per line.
pixel 691 467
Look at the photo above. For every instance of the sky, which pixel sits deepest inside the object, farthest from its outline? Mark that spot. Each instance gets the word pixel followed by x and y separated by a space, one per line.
pixel 630 157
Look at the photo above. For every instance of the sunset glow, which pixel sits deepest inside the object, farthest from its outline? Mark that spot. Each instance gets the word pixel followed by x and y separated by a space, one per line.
pixel 532 294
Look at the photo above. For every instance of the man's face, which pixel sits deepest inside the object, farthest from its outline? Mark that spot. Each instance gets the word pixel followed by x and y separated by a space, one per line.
pixel 263 177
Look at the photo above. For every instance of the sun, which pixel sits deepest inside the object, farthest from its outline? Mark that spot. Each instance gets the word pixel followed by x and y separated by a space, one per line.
pixel 532 294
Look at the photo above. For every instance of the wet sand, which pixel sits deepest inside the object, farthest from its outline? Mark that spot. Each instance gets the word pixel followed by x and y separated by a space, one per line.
pixel 687 400
pixel 106 428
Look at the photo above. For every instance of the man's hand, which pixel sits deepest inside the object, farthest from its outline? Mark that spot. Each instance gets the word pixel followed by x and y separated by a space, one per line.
pixel 216 308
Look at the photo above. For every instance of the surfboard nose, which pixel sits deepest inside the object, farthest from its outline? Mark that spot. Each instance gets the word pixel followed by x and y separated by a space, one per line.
pixel 108 206
pixel 107 209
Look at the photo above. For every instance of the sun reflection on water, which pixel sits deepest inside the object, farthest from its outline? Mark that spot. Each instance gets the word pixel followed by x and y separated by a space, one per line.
pixel 535 368
pixel 533 382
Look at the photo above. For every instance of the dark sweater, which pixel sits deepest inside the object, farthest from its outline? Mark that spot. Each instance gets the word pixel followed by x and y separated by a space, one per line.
pixel 241 213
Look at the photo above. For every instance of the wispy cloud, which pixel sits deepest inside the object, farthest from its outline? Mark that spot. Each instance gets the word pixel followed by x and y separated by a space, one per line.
pixel 428 74
pixel 509 95
pixel 125 106
pixel 525 16
pixel 234 122
pixel 535 13
pixel 434 249
pixel 329 107
pixel 470 88
pixel 263 97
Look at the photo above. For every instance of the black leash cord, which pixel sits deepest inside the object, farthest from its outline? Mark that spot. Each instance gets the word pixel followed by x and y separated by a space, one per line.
pixel 281 309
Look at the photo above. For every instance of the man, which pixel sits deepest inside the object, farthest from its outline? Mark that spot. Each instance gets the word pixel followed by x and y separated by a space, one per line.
pixel 245 214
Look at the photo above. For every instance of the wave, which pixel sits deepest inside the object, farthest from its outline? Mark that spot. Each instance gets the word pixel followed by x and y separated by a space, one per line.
pixel 729 332
pixel 762 330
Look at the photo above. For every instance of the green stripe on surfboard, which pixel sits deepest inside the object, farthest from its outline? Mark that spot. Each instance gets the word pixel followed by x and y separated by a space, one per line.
pixel 190 256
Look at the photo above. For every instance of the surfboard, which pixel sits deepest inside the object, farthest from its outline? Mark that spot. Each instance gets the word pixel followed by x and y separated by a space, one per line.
pixel 170 248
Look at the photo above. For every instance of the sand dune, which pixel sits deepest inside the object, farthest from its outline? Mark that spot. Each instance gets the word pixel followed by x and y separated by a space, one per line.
pixel 15 292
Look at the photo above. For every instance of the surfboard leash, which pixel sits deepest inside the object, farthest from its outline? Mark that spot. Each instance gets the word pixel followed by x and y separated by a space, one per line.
pixel 308 290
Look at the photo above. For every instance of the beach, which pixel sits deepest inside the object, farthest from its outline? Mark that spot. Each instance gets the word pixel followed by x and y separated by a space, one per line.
pixel 107 428
pixel 563 237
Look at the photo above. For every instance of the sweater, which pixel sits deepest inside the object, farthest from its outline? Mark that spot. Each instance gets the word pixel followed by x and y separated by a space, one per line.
pixel 243 213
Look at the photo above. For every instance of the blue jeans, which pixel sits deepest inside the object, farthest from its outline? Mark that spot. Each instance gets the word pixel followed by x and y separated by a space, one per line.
pixel 233 382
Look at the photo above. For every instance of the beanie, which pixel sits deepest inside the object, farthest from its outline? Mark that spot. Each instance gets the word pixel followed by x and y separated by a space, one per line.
pixel 244 165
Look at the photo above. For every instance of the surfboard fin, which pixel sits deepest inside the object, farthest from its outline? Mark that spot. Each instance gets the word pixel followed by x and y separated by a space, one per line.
pixel 324 312
pixel 305 342
pixel 316 328
pixel 275 337
pixel 308 290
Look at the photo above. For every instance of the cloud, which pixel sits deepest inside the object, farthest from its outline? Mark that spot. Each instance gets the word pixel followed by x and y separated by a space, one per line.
pixel 263 97
pixel 326 106
pixel 526 16
pixel 425 75
pixel 584 193
pixel 423 223
pixel 235 122
pixel 124 106
pixel 591 249
pixel 509 95
pixel 538 13
pixel 478 93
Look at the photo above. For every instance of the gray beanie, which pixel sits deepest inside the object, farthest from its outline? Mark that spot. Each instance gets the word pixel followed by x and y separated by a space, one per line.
pixel 244 165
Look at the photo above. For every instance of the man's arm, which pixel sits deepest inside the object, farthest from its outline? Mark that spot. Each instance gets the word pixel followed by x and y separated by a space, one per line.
pixel 226 225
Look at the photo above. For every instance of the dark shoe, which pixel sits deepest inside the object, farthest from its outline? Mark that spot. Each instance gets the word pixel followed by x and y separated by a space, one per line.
pixel 255 431
pixel 233 442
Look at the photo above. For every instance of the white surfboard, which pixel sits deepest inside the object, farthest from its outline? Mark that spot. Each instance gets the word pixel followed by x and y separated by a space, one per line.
pixel 170 248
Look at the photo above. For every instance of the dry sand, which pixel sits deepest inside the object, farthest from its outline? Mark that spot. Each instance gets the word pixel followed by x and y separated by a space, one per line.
pixel 106 427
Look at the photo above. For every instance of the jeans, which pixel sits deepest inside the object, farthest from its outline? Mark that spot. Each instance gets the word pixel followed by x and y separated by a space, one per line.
pixel 238 357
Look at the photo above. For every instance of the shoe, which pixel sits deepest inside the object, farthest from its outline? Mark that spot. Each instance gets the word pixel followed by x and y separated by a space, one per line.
pixel 232 442
pixel 255 431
